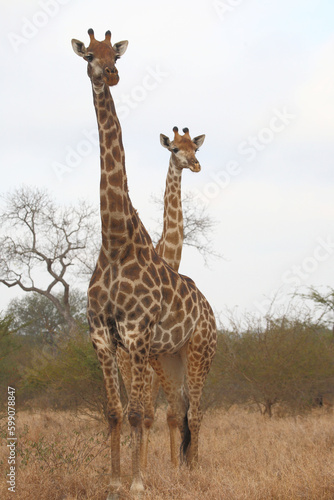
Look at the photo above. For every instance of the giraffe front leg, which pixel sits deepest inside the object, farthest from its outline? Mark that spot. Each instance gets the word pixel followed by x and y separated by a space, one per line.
pixel 115 421
pixel 148 413
pixel 115 417
pixel 124 366
pixel 151 385
pixel 114 407
pixel 138 349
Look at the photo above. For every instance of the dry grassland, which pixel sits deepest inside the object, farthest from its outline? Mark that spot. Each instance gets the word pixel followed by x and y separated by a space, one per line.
pixel 242 457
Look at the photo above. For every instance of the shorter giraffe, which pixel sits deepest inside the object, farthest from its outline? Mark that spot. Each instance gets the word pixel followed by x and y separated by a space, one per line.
pixel 183 150
pixel 169 247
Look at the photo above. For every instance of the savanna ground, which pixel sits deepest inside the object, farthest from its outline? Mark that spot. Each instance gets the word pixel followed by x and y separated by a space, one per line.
pixel 243 456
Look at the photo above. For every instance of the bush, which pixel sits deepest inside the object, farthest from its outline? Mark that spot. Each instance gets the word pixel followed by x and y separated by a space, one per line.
pixel 9 347
pixel 284 360
pixel 71 379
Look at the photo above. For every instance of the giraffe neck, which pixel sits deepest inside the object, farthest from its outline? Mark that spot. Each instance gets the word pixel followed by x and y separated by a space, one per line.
pixel 171 241
pixel 115 205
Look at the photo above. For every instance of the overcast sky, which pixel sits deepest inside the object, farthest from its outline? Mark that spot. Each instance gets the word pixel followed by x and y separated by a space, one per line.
pixel 256 77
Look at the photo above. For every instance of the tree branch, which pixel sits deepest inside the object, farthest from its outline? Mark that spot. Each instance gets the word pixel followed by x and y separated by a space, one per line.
pixel 37 232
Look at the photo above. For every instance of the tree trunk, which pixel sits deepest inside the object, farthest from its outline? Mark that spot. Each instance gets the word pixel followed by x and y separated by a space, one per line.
pixel 268 409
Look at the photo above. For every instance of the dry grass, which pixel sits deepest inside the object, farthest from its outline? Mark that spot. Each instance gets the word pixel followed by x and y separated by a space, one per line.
pixel 242 457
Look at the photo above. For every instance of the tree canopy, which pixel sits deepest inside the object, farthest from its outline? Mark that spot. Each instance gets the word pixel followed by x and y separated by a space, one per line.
pixel 45 247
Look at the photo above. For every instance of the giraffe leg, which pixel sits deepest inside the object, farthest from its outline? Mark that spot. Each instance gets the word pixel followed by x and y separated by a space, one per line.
pixel 171 372
pixel 151 389
pixel 148 413
pixel 199 358
pixel 124 365
pixel 123 362
pixel 138 351
pixel 101 343
pixel 171 421
pixel 173 428
pixel 155 388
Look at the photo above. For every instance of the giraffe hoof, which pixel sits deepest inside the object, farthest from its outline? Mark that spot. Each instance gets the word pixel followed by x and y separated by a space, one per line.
pixel 114 494
pixel 137 489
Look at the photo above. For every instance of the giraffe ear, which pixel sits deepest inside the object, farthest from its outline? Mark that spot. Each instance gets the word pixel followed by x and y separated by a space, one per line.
pixel 165 142
pixel 120 47
pixel 78 47
pixel 198 141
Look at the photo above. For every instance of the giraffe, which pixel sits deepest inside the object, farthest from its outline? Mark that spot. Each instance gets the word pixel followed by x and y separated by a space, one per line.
pixel 136 301
pixel 183 150
pixel 169 247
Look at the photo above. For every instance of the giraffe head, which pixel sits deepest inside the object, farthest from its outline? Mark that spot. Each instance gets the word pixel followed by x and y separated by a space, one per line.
pixel 183 149
pixel 101 58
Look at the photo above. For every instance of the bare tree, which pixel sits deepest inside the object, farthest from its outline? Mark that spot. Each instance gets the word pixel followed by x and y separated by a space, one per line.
pixel 44 245
pixel 198 226
pixel 324 303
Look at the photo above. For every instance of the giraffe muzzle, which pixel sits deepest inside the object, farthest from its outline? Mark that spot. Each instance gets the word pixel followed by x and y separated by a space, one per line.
pixel 195 167
pixel 111 76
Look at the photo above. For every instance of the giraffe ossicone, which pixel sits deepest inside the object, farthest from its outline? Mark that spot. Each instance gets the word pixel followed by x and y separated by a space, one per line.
pixel 136 301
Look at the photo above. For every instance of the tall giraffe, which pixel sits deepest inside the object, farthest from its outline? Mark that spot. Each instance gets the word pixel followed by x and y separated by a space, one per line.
pixel 135 300
pixel 169 247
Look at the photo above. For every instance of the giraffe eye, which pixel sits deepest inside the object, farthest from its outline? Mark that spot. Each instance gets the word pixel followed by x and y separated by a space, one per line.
pixel 89 57
pixel 175 150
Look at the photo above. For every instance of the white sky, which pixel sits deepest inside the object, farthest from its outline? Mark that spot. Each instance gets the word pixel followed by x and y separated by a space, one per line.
pixel 256 77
